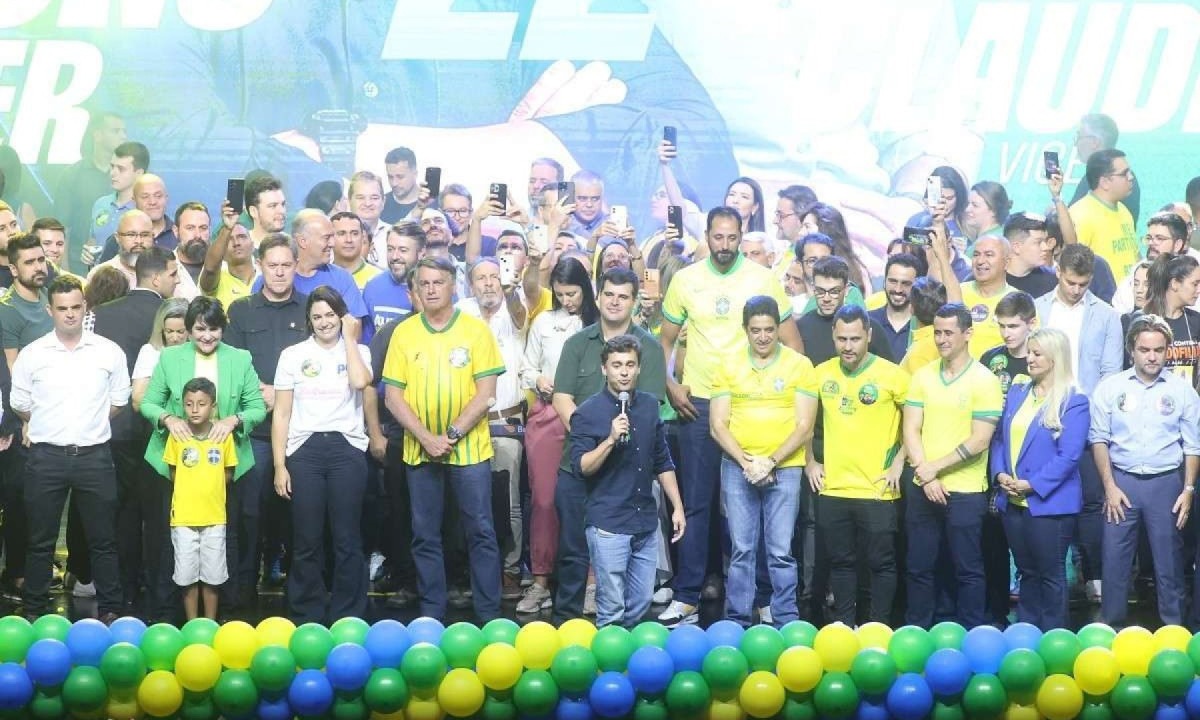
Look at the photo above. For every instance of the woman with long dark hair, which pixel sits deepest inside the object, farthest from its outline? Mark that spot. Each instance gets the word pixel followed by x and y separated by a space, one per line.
pixel 746 196
pixel 987 208
pixel 821 218
pixel 1173 285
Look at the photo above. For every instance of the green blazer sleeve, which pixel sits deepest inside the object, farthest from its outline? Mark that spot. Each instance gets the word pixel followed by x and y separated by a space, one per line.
pixel 164 396
pixel 154 402
pixel 239 392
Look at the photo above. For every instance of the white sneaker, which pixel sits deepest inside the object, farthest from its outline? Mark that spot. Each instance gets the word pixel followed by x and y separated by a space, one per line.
pixel 764 616
pixel 536 598
pixel 677 614
pixel 84 590
pixel 662 596
pixel 1092 589
pixel 589 600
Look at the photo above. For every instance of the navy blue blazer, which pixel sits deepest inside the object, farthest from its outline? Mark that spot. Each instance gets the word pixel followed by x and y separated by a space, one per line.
pixel 1049 464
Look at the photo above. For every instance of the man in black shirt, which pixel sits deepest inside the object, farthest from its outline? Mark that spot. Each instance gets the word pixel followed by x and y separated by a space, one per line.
pixel 401 166
pixel 1026 234
pixel 831 278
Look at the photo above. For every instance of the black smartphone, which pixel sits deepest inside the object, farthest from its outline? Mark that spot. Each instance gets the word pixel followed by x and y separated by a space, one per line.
pixel 433 181
pixel 500 192
pixel 675 219
pixel 1050 160
pixel 566 193
pixel 917 235
pixel 235 193
pixel 670 134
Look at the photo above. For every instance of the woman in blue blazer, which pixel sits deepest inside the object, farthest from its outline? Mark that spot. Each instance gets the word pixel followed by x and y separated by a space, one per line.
pixel 1034 464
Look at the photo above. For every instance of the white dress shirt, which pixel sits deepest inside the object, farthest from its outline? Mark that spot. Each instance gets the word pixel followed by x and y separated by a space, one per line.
pixel 69 393
pixel 1069 319
pixel 547 336
pixel 512 347
pixel 322 399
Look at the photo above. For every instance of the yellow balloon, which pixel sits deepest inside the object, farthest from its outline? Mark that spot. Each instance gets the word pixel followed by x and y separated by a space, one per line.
pixel 418 709
pixel 275 631
pixel 1134 648
pixel 837 645
pixel 874 635
pixel 498 666
pixel 799 669
pixel 122 708
pixel 1021 712
pixel 1096 671
pixel 1172 637
pixel 460 693
pixel 761 695
pixel 725 711
pixel 1059 698
pixel 537 643
pixel 160 693
pixel 236 642
pixel 577 631
pixel 198 667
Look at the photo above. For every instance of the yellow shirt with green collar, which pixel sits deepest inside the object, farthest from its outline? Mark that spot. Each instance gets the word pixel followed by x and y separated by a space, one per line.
pixel 949 407
pixel 985 333
pixel 762 409
pixel 364 273
pixel 921 352
pixel 1109 231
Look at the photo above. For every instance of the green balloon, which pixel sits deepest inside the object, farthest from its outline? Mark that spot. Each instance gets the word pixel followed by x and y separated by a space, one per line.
pixel 273 668
pixel 873 671
pixel 1133 698
pixel 1096 711
pixel 349 630
pixel 235 693
pixel 688 693
pixel 1171 674
pixel 349 706
pixel 1058 649
pixel 47 704
pixel 794 709
pixel 573 669
pixel 985 697
pixel 197 706
pixel 310 645
pixel 762 645
pixel 612 646
pixel 462 642
pixel 648 709
pixel 535 693
pixel 1022 672
pixel 798 633
pixel 725 668
pixel 160 645
pixel 199 631
pixel 910 647
pixel 947 711
pixel 1096 635
pixel 947 635
pixel 386 690
pixel 423 666
pixel 836 695
pixel 84 689
pixel 650 634
pixel 123 665
pixel 501 630
pixel 16 635
pixel 1193 649
pixel 497 709
pixel 54 627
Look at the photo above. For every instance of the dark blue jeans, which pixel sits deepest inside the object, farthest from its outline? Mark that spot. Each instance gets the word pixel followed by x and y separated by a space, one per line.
pixel 570 496
pixel 958 526
pixel 329 479
pixel 472 486
pixel 1039 546
pixel 700 463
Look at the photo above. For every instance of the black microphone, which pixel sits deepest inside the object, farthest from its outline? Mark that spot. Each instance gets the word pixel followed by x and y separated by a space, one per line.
pixel 624 398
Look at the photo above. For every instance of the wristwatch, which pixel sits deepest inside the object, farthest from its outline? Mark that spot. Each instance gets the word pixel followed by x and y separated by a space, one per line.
pixel 454 434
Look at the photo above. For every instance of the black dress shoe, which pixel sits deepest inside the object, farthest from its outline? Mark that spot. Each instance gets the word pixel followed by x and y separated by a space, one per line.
pixel 109 618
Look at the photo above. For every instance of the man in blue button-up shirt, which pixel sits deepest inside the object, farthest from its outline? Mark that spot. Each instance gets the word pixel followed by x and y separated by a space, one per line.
pixel 619 448
pixel 1145 429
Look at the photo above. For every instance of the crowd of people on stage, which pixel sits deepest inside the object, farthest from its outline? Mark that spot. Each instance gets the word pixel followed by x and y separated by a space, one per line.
pixel 460 398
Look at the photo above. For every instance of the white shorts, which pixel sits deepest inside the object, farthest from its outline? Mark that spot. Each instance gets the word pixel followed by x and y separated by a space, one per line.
pixel 199 555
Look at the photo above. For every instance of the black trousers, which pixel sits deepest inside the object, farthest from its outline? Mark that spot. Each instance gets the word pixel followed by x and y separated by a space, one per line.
pixel 12 493
pixel 128 458
pixel 397 537
pixel 570 498
pixel 51 473
pixel 858 531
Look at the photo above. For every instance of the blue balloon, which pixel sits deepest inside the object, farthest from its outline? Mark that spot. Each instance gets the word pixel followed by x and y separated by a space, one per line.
pixel 612 695
pixel 650 670
pixel 127 629
pixel 910 697
pixel 310 693
pixel 868 710
pixel 48 662
pixel 1192 701
pixel 387 641
pixel 1022 635
pixel 984 647
pixel 87 640
pixel 16 689
pixel 569 709
pixel 687 645
pixel 1170 712
pixel 725 632
pixel 947 672
pixel 348 666
pixel 425 629
pixel 275 708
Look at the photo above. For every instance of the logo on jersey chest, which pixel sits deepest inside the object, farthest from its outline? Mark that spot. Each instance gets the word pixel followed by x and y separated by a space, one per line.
pixel 459 357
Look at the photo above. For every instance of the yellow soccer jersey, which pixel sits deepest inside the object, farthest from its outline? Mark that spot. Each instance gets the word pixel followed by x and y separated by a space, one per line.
pixel 763 400
pixel 949 408
pixel 985 333
pixel 198 497
pixel 1109 231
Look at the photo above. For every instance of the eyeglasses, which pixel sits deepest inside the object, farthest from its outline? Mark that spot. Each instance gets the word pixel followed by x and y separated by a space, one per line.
pixel 1127 173
pixel 810 261
pixel 137 235
pixel 782 216
pixel 828 292
pixel 457 212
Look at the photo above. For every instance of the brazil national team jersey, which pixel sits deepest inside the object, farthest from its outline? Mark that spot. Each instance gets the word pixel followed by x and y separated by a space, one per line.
pixel 763 400
pixel 985 333
pixel 950 406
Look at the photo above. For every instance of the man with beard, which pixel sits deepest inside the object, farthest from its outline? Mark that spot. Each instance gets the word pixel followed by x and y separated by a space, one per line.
pixel 266 206
pixel 401 166
pixel 896 317
pixel 23 316
pixel 229 268
pixel 792 200
pixel 150 196
pixel 191 226
pixel 350 233
pixel 387 294
pixel 8 228
pixel 135 233
pixel 438 237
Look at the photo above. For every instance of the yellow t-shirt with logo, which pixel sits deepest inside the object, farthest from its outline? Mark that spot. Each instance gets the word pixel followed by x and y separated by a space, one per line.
pixel 198 497
pixel 1109 231
pixel 438 370
pixel 763 400
pixel 985 333
pixel 949 407
pixel 921 352
pixel 711 302
pixel 364 273
pixel 861 417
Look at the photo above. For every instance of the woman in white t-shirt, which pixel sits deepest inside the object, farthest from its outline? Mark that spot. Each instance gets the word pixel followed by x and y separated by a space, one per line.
pixel 169 330
pixel 319 446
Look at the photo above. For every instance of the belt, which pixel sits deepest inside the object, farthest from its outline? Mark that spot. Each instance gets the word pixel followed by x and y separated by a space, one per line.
pixel 514 411
pixel 71 450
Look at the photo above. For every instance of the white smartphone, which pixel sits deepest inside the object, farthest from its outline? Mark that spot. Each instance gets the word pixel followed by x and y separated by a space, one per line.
pixel 619 214
pixel 539 238
pixel 933 191
pixel 508 271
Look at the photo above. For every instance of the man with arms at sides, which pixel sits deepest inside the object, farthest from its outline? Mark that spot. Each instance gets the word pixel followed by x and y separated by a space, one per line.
pixel 949 417
pixel 981 295
pixel 313 234
pixel 229 264
pixel 129 162
pixel 896 315
pixel 441 373
pixel 266 206
pixel 67 384
pixel 709 296
pixel 1027 237
pixel 578 377
pixel 349 234
pixel 401 166
pixel 387 295
pixel 1102 221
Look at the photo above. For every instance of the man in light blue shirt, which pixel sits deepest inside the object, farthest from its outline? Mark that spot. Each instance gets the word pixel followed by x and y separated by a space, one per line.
pixel 1145 437
pixel 129 162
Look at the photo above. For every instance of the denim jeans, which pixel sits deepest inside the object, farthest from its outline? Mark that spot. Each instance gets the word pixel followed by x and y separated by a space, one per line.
pixel 767 514
pixel 473 491
pixel 1039 546
pixel 624 566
